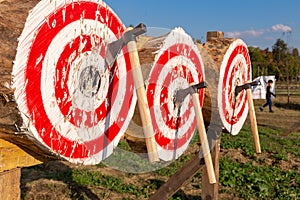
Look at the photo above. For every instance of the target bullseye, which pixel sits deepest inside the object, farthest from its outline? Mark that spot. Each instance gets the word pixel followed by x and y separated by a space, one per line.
pixel 68 99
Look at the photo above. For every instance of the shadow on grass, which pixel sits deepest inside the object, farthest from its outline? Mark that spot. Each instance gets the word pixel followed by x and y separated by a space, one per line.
pixel 291 106
pixel 55 170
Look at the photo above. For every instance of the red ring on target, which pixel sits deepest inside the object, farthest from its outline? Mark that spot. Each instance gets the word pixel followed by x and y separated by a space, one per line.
pixel 235 70
pixel 97 142
pixel 65 104
pixel 178 62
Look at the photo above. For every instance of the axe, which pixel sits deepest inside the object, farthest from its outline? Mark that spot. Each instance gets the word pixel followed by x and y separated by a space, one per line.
pixel 113 49
pixel 178 99
pixel 252 115
pixel 246 86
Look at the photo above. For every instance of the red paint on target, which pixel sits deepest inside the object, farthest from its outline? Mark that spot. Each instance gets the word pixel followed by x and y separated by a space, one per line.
pixel 87 150
pixel 235 70
pixel 178 62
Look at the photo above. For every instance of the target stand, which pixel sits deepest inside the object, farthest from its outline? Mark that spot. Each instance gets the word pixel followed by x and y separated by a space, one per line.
pixel 235 70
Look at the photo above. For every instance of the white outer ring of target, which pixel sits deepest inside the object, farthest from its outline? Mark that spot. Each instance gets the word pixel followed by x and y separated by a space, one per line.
pixel 175 37
pixel 34 20
pixel 239 58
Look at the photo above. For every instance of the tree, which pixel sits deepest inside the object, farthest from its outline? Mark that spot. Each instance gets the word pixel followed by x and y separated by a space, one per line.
pixel 295 53
pixel 262 62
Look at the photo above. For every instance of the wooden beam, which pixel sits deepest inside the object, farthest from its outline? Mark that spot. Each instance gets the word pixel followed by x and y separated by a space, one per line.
pixel 11 157
pixel 211 191
pixel 179 178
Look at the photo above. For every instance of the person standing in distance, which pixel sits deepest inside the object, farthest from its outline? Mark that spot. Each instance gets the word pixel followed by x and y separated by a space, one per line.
pixel 268 97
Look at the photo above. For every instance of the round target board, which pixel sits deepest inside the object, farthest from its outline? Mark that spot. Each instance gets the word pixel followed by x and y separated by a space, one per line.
pixel 178 65
pixel 235 70
pixel 71 102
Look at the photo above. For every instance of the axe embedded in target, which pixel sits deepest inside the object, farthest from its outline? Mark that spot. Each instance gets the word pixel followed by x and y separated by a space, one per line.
pixel 69 104
pixel 170 63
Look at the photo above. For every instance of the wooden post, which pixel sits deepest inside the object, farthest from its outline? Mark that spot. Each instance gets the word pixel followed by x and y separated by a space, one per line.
pixel 211 191
pixel 203 139
pixel 253 121
pixel 12 159
pixel 142 101
pixel 10 185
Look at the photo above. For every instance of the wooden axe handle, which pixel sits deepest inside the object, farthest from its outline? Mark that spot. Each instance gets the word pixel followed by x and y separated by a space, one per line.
pixel 142 102
pixel 203 139
pixel 253 121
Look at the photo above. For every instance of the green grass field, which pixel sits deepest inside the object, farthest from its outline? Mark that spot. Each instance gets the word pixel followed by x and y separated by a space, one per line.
pixel 274 174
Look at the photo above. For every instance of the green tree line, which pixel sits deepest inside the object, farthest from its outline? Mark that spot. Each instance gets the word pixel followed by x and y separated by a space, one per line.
pixel 281 61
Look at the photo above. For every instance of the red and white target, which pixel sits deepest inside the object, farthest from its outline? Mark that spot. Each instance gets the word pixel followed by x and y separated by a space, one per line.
pixel 235 70
pixel 67 98
pixel 177 66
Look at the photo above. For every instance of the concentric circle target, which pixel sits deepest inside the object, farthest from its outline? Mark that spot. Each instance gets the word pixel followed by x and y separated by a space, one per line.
pixel 177 66
pixel 71 102
pixel 235 70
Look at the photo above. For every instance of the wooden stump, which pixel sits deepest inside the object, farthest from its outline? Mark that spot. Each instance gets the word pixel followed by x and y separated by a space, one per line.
pixel 13 15
pixel 59 100
pixel 169 63
pixel 232 59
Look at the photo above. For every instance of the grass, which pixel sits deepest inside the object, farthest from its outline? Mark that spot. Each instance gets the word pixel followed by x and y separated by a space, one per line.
pixel 258 182
pixel 255 179
pixel 95 178
pixel 272 175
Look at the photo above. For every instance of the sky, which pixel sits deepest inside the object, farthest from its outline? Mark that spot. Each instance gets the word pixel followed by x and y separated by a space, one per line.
pixel 258 22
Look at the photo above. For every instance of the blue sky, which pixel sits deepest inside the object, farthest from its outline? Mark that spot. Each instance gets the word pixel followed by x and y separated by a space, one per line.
pixel 258 22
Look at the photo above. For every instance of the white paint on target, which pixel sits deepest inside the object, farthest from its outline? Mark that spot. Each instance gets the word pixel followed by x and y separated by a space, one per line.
pixel 235 70
pixel 177 65
pixel 59 62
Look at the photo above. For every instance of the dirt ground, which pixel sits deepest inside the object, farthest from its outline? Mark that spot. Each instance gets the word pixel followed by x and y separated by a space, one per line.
pixel 36 185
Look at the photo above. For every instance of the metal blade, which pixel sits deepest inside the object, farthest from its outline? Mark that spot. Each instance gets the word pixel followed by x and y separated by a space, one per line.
pixel 240 88
pixel 183 93
pixel 112 51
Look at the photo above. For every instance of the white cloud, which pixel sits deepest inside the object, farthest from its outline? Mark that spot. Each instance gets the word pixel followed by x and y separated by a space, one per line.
pixel 281 28
pixel 247 34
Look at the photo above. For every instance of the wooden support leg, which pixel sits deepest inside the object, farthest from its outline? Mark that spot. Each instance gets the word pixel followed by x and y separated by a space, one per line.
pixel 253 121
pixel 211 191
pixel 203 139
pixel 176 181
pixel 142 102
pixel 10 184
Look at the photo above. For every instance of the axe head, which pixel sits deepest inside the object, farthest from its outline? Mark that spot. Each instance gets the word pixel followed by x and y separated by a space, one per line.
pixel 112 51
pixel 114 48
pixel 183 93
pixel 246 86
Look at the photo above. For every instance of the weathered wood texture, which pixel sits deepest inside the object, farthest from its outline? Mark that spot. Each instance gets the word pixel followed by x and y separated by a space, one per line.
pixel 11 157
pixel 179 178
pixel 12 21
pixel 142 102
pixel 211 191
pixel 147 46
pixel 10 185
